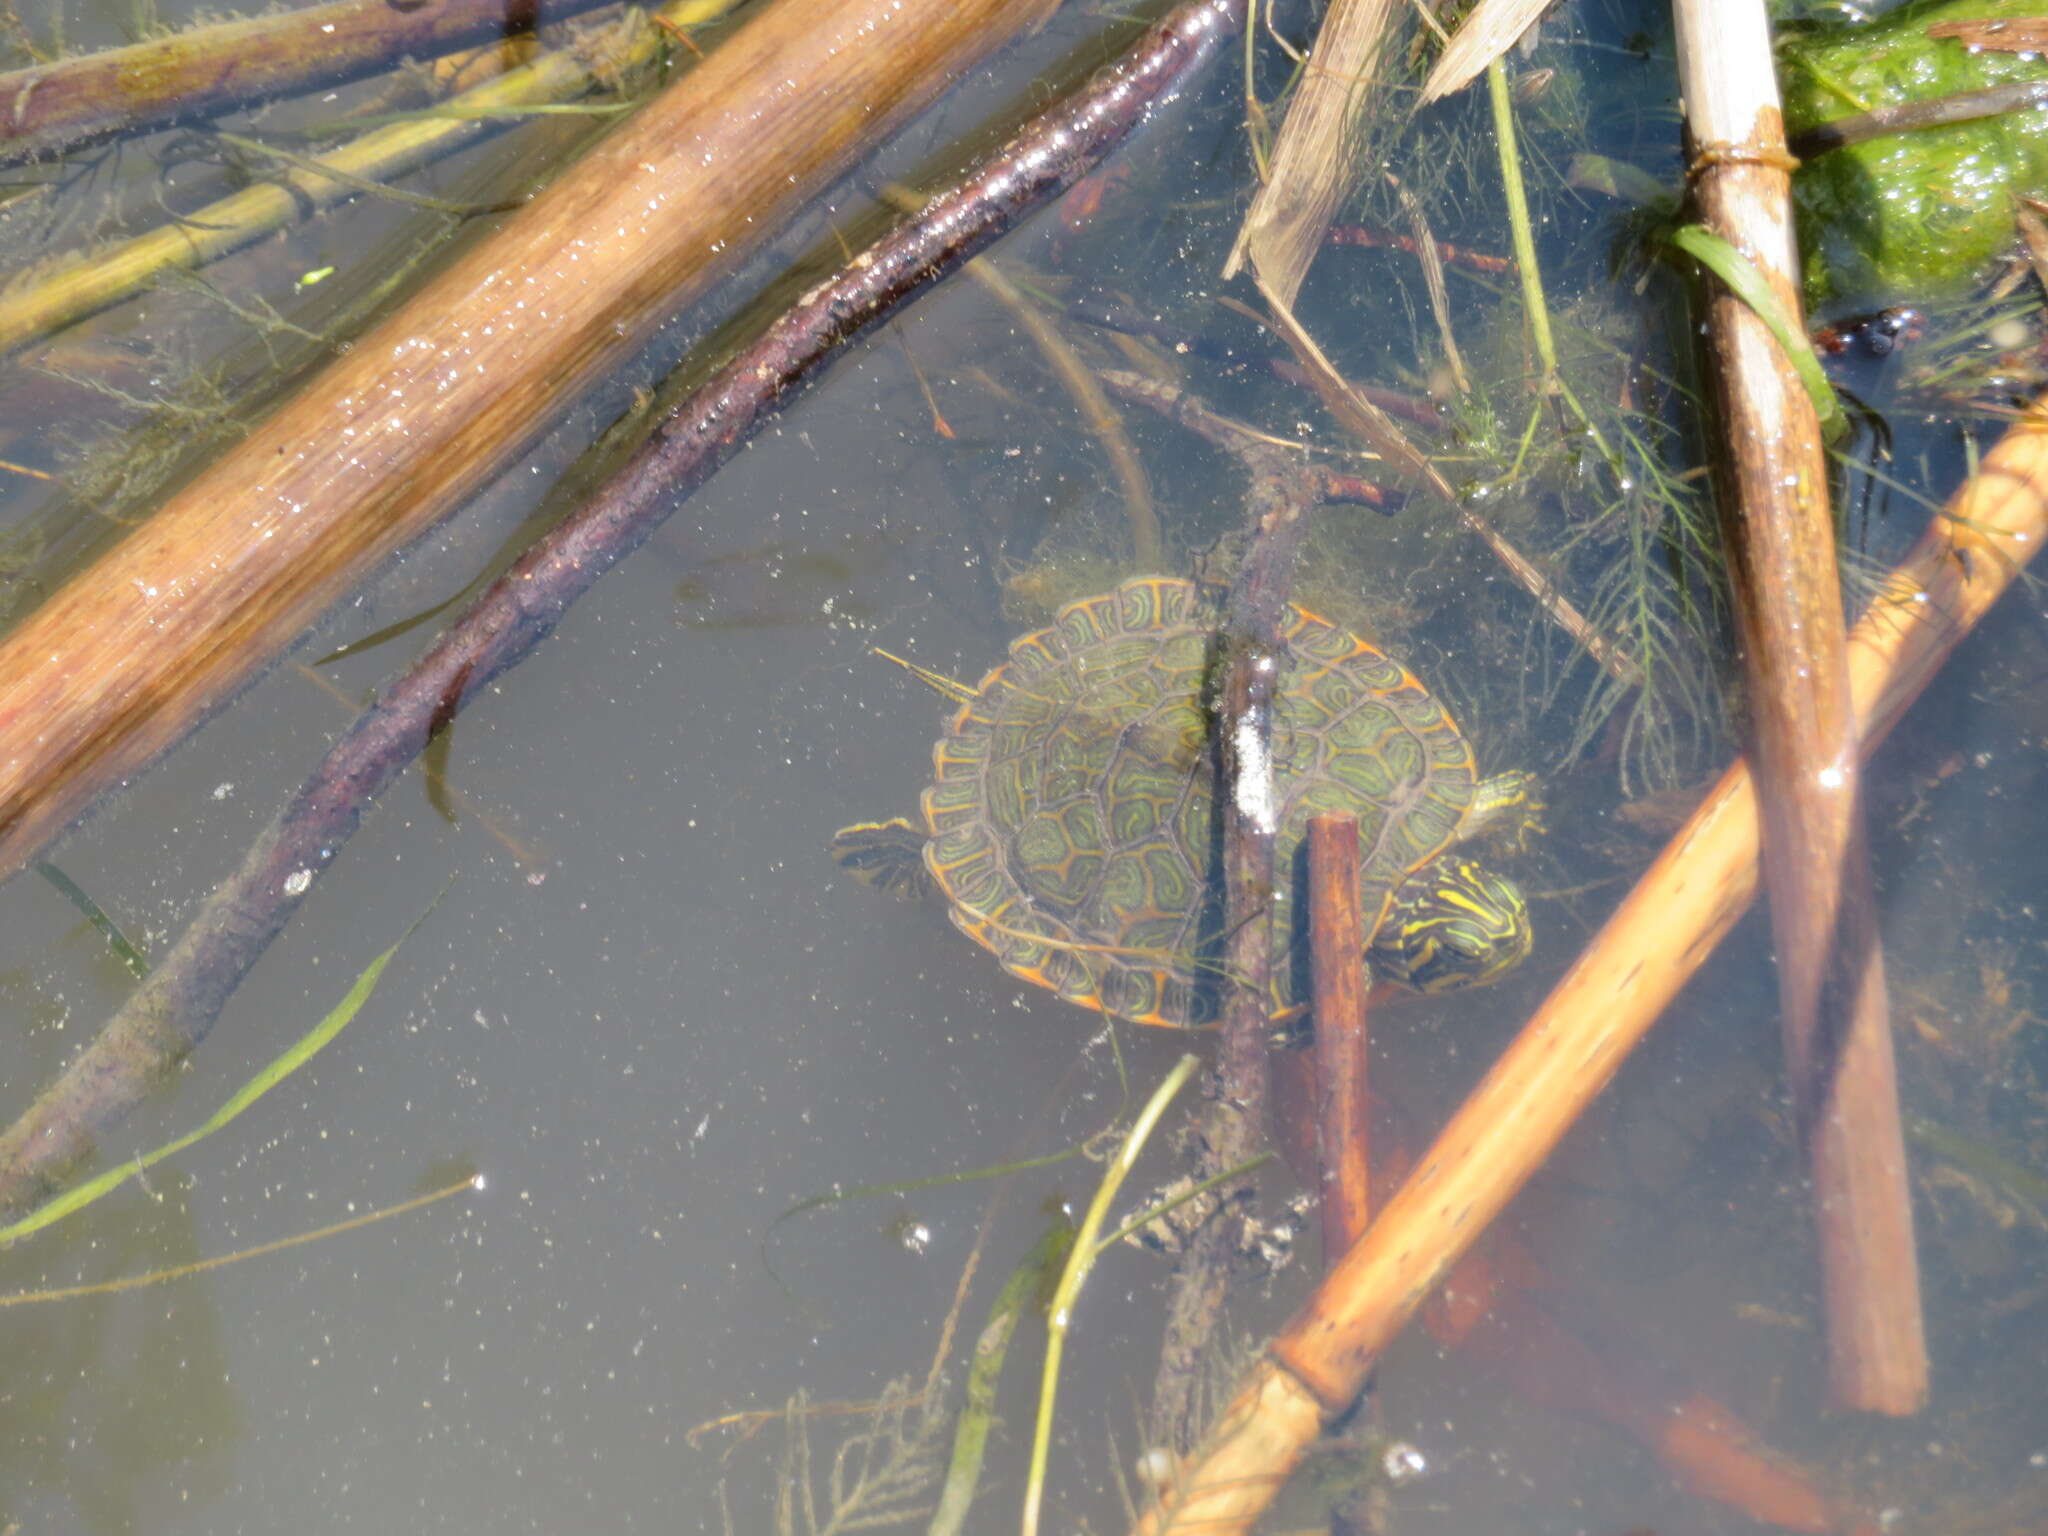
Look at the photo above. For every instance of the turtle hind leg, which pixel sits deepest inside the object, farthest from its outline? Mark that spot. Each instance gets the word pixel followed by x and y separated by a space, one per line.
pixel 889 855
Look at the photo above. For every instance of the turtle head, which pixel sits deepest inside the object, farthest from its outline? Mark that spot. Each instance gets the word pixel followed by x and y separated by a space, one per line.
pixel 1453 925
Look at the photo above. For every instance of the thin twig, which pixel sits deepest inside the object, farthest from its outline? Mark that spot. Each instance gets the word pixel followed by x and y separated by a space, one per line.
pixel 1148 548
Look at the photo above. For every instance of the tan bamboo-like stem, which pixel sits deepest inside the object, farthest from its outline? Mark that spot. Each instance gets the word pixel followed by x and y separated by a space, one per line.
pixel 209 70
pixel 1780 540
pixel 1683 905
pixel 126 656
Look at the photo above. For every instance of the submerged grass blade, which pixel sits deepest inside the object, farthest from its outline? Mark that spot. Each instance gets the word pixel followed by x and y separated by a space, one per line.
pixel 280 1067
pixel 131 956
pixel 201 1266
pixel 977 1415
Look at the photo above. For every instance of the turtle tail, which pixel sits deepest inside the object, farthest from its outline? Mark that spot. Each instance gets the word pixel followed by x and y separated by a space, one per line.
pixel 889 855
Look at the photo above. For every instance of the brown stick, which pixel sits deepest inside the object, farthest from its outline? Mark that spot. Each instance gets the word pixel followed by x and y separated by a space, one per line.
pixel 1914 116
pixel 1782 564
pixel 1337 957
pixel 1683 905
pixel 1343 1099
pixel 1451 255
pixel 122 660
pixel 210 70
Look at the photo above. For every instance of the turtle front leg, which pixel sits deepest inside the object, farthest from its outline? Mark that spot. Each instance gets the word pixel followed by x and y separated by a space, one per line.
pixel 888 855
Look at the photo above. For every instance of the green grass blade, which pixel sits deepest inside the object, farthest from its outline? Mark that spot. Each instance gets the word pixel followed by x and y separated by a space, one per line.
pixel 1747 284
pixel 1080 1260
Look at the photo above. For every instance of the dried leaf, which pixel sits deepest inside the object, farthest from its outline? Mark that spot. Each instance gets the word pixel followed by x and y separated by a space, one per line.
pixel 1490 31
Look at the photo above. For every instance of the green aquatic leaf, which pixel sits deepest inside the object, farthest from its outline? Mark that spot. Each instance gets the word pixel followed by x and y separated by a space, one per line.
pixel 977 1415
pixel 1747 284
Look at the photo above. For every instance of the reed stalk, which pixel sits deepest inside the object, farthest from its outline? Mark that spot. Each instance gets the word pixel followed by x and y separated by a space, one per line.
pixel 1772 474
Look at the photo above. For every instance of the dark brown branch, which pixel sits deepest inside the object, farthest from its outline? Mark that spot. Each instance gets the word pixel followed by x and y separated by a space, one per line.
pixel 173 1011
pixel 1250 659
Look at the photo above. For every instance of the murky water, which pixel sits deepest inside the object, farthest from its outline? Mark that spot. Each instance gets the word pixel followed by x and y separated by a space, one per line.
pixel 658 1020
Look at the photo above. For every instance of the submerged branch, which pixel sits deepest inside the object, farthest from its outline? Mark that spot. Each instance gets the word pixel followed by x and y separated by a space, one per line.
pixel 1282 490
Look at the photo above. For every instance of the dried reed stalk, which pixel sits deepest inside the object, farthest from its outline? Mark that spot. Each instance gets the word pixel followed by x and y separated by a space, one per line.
pixel 1314 161
pixel 210 70
pixel 122 660
pixel 1779 533
pixel 1683 905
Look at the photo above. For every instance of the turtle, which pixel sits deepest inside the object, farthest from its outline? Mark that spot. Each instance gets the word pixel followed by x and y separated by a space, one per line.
pixel 1071 826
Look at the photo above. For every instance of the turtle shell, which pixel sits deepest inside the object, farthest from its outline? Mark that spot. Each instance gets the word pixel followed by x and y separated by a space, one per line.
pixel 1072 810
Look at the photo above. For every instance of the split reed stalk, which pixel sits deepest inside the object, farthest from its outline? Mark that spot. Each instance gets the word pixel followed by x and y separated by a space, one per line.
pixel 1337 961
